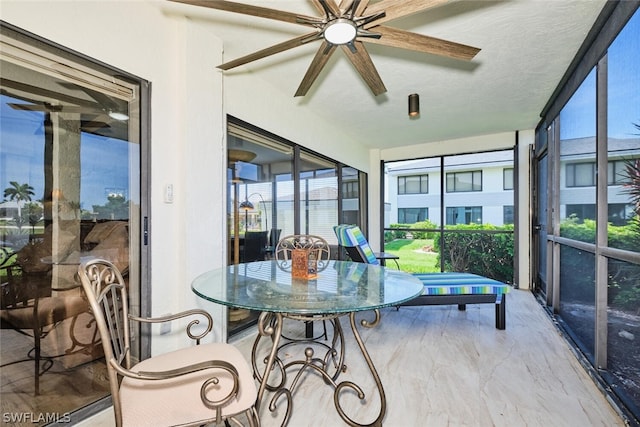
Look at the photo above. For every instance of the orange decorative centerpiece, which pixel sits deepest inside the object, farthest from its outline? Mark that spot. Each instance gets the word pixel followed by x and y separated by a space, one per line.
pixel 304 264
pixel 303 255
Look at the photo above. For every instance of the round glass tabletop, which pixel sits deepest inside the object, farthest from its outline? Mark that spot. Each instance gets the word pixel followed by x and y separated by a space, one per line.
pixel 343 286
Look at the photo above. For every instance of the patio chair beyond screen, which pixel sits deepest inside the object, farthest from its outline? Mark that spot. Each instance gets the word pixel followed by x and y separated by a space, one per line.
pixel 352 239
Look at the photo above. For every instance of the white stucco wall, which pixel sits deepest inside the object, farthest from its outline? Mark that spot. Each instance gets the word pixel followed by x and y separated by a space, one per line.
pixel 248 98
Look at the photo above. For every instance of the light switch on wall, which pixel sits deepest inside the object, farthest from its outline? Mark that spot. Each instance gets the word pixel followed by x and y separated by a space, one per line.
pixel 168 193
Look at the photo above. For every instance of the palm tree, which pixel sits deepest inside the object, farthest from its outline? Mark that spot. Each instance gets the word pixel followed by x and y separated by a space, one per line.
pixel 632 186
pixel 19 193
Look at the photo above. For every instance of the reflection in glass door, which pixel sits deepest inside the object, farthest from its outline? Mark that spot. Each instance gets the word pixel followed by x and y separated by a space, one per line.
pixel 318 196
pixel 259 202
pixel 70 175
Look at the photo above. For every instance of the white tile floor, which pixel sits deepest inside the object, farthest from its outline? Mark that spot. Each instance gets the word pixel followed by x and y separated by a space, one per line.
pixel 444 367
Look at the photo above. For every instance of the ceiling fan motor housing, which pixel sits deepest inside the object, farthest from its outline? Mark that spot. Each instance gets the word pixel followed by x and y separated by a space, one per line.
pixel 340 31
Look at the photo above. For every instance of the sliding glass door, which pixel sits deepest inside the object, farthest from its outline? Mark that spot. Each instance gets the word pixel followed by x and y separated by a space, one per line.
pixel 453 213
pixel 277 188
pixel 318 196
pixel 70 174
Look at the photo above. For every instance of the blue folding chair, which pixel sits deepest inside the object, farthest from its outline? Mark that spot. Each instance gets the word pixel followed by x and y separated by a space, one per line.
pixel 351 238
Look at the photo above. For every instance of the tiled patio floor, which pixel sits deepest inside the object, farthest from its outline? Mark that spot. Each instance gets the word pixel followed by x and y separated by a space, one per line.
pixel 444 367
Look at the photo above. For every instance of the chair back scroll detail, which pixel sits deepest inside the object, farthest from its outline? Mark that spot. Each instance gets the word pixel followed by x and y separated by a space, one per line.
pixel 315 245
pixel 106 291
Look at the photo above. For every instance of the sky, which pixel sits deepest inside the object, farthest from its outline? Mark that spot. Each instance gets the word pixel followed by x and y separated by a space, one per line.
pixel 578 117
pixel 104 161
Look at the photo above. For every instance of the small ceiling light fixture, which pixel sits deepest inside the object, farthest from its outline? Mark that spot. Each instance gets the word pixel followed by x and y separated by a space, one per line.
pixel 340 31
pixel 414 105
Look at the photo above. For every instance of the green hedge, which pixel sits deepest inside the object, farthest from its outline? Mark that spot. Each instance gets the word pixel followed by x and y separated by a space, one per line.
pixel 489 255
pixel 578 267
pixel 390 236
pixel 423 234
pixel 620 236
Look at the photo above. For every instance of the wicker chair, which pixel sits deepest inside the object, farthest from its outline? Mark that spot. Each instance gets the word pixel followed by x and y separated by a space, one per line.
pixel 197 385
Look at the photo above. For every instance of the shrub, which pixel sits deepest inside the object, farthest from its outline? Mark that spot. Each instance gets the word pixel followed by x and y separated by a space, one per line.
pixel 626 236
pixel 487 254
pixel 573 228
pixel 619 236
pixel 423 234
pixel 624 286
pixel 578 271
pixel 396 234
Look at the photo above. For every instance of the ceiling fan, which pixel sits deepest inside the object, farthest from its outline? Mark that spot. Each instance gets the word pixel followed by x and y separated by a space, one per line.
pixel 94 120
pixel 348 24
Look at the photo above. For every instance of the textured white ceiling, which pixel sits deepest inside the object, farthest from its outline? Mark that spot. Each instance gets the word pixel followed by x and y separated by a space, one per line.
pixel 526 45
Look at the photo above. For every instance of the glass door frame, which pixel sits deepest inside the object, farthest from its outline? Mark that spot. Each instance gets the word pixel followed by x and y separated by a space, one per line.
pixel 139 198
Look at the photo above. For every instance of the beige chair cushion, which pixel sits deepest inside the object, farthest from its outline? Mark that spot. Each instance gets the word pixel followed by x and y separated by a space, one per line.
pixel 102 230
pixel 112 240
pixel 177 401
pixel 50 310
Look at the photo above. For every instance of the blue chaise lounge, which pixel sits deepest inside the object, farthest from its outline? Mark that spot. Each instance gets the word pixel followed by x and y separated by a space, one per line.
pixel 439 288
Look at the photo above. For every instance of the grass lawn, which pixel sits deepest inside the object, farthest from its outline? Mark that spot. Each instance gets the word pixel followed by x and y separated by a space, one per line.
pixel 412 258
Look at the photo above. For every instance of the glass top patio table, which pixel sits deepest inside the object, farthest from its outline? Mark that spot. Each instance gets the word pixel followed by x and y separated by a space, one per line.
pixel 341 287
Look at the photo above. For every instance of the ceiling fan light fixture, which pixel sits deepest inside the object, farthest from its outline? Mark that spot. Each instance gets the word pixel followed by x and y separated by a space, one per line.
pixel 414 105
pixel 118 116
pixel 340 31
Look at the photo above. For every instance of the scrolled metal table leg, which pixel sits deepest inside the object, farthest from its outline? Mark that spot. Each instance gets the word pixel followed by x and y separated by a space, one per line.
pixel 374 373
pixel 270 325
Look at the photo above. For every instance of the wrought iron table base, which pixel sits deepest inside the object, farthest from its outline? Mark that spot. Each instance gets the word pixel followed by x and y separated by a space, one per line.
pixel 329 367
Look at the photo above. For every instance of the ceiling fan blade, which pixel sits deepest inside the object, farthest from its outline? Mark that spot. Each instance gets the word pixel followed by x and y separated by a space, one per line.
pixel 29 107
pixel 281 47
pixel 246 9
pixel 317 5
pixel 347 7
pixel 395 9
pixel 50 108
pixel 319 61
pixel 362 61
pixel 348 4
pixel 412 41
pixel 94 125
pixel 328 7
